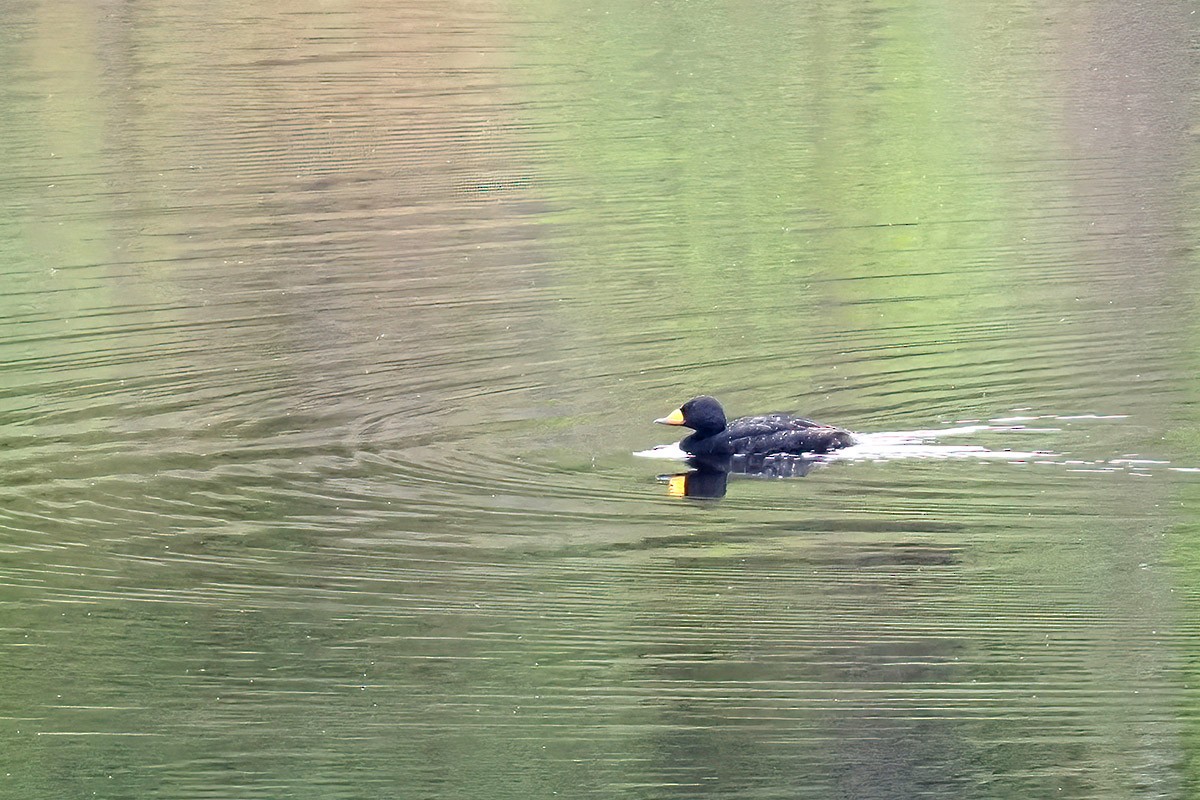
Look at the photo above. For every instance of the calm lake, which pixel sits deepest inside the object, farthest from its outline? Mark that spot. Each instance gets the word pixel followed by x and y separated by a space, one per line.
pixel 329 331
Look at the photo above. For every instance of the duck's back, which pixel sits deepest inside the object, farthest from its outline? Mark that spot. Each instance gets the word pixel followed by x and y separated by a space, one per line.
pixel 782 433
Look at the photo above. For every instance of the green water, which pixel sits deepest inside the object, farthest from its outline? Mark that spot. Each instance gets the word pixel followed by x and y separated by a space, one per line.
pixel 328 332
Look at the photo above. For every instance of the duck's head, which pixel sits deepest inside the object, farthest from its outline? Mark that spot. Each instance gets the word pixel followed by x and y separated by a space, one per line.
pixel 702 414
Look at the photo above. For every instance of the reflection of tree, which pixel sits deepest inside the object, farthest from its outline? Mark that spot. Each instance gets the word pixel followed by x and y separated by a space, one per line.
pixel 766 681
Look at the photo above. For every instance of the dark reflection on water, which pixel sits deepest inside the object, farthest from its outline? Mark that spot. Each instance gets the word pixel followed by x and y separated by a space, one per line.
pixel 328 332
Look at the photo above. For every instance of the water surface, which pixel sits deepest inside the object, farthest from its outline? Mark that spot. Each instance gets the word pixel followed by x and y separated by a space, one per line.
pixel 329 332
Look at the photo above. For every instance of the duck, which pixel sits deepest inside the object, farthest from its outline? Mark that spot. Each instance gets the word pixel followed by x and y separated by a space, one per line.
pixel 766 435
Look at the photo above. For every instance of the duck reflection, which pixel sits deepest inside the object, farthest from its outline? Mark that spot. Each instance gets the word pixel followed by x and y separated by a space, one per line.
pixel 708 477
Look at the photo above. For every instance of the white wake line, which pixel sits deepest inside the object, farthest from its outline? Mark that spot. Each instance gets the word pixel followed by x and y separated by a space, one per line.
pixel 898 452
pixel 666 452
pixel 877 451
pixel 894 452
pixel 892 445
pixel 916 437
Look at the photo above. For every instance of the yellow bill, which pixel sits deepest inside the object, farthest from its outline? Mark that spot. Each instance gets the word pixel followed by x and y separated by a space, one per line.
pixel 674 418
